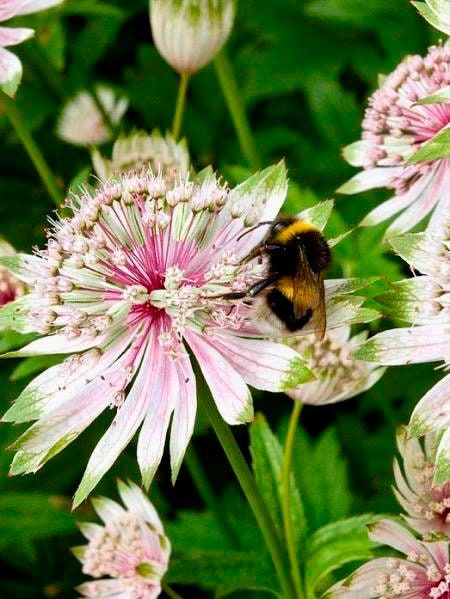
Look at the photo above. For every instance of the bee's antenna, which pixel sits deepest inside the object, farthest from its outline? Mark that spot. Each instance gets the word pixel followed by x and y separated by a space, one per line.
pixel 266 222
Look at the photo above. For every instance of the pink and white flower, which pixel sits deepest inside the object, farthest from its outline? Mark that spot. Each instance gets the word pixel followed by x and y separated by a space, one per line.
pixel 395 126
pixel 423 301
pixel 427 505
pixel 129 553
pixel 10 65
pixel 423 572
pixel 126 285
pixel 10 287
pixel 338 375
pixel 82 123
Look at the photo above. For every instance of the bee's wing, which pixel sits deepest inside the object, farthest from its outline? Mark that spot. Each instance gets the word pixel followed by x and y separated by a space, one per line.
pixel 309 294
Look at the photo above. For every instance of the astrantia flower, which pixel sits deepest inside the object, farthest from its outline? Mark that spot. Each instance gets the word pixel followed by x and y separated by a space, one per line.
pixel 82 122
pixel 424 301
pixel 10 65
pixel 137 150
pixel 423 572
pixel 436 12
pixel 427 505
pixel 189 33
pixel 129 554
pixel 126 284
pixel 339 375
pixel 10 287
pixel 394 127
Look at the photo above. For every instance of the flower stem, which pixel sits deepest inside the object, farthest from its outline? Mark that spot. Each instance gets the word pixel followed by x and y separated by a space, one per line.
pixel 203 486
pixel 180 105
pixel 170 592
pixel 33 151
pixel 251 492
pixel 286 498
pixel 230 90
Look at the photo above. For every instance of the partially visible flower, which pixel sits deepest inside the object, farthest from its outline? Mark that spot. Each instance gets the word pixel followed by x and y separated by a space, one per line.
pixel 423 301
pixel 132 152
pixel 436 12
pixel 427 505
pixel 339 375
pixel 136 275
pixel 189 33
pixel 423 572
pixel 10 65
pixel 82 123
pixel 394 127
pixel 129 554
pixel 10 287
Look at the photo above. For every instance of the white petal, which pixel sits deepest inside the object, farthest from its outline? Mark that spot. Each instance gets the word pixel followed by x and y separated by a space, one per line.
pixel 10 72
pixel 433 410
pixel 29 6
pixel 370 179
pixel 387 209
pixel 137 503
pixel 10 36
pixel 227 386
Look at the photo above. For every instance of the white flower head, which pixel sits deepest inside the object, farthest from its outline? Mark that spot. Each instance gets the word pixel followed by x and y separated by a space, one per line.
pixel 133 152
pixel 81 121
pixel 189 33
pixel 129 553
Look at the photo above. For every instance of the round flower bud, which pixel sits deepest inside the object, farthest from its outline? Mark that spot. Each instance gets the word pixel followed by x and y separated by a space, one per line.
pixel 189 33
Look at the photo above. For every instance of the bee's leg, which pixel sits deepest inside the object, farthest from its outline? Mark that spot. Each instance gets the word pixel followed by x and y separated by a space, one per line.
pixel 260 249
pixel 233 296
pixel 261 285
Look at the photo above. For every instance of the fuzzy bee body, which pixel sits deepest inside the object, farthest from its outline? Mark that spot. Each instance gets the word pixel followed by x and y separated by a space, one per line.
pixel 292 295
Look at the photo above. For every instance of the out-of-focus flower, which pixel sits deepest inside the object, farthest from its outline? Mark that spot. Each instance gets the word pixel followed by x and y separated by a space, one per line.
pixel 394 127
pixel 339 375
pixel 436 12
pixel 138 150
pixel 427 505
pixel 189 33
pixel 10 287
pixel 82 122
pixel 136 274
pixel 424 301
pixel 423 572
pixel 129 554
pixel 10 65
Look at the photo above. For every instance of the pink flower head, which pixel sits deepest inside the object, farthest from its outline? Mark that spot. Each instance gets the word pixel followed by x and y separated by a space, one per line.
pixel 10 65
pixel 427 505
pixel 423 301
pixel 338 375
pixel 394 127
pixel 10 287
pixel 129 554
pixel 423 572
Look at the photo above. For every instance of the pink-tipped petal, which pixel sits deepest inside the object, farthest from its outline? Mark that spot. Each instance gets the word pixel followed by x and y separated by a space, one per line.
pixel 388 532
pixel 27 7
pixel 10 36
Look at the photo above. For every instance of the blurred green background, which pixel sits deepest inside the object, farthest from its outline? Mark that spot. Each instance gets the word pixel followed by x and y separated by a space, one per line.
pixel 305 69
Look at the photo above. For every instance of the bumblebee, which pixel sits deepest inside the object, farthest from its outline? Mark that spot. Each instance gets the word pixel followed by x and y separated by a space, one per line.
pixel 292 295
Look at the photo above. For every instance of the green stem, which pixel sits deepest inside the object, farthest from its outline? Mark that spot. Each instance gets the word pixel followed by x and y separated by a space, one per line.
pixel 33 151
pixel 170 592
pixel 180 105
pixel 230 90
pixel 203 486
pixel 286 475
pixel 112 128
pixel 251 492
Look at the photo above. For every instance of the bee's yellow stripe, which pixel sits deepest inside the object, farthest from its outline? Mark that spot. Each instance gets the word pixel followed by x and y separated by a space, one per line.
pixel 298 226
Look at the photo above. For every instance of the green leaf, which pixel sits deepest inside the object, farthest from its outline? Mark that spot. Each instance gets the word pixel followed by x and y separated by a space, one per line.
pixel 267 457
pixel 335 545
pixel 437 147
pixel 92 8
pixel 319 214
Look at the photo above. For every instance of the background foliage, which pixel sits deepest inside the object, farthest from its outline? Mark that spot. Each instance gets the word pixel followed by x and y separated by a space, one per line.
pixel 305 70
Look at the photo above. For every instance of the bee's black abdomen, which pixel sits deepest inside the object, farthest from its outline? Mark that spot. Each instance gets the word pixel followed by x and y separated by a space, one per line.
pixel 316 249
pixel 283 308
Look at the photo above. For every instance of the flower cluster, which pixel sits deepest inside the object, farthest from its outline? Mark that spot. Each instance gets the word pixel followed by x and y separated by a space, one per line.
pixel 82 122
pixel 11 67
pixel 339 375
pixel 129 554
pixel 394 127
pixel 133 152
pixel 423 301
pixel 10 287
pixel 427 505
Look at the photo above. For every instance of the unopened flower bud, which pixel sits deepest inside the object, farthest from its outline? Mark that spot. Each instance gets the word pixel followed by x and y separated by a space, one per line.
pixel 189 33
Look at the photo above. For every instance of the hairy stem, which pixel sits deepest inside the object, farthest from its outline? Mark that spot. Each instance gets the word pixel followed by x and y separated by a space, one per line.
pixel 286 476
pixel 236 109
